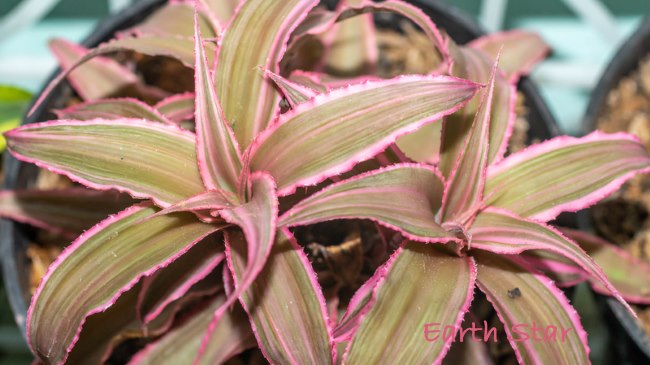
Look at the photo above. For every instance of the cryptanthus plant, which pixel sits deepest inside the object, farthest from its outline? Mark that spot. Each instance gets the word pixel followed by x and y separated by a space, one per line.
pixel 206 265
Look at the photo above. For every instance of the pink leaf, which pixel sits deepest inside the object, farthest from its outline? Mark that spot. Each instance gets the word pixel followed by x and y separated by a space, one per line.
pixel 285 305
pixel 351 45
pixel 502 232
pixel 404 197
pixel 473 65
pixel 249 101
pixel 208 200
pixel 174 20
pixel 59 309
pixel 628 274
pixel 177 108
pixel 181 344
pixel 406 303
pixel 179 48
pixel 112 109
pixel 145 159
pixel 294 93
pixel 522 299
pixel 321 138
pixel 174 282
pixel 464 189
pixel 522 50
pixel 360 303
pixel 258 219
pixel 564 174
pixel 217 149
pixel 64 211
pixel 100 78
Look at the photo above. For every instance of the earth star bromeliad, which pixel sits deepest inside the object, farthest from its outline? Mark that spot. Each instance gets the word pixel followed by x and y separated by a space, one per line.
pixel 227 193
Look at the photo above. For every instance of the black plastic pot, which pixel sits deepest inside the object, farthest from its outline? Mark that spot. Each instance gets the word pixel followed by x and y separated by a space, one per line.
pixel 15 237
pixel 633 346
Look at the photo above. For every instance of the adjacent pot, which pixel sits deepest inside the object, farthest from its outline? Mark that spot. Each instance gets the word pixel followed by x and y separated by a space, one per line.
pixel 634 345
pixel 14 237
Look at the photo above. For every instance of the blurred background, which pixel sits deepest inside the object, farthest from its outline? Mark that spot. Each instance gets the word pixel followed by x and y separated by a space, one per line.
pixel 584 35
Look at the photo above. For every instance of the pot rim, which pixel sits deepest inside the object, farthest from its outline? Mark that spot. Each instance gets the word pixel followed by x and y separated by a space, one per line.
pixel 624 61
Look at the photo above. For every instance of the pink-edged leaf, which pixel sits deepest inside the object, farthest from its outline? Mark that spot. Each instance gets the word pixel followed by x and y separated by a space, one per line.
pixel 564 174
pixel 180 346
pixel 243 48
pixel 539 303
pixel 181 49
pixel 351 45
pixel 207 200
pixel 221 10
pixel 522 50
pixel 628 274
pixel 99 78
pixel 112 109
pixel 336 82
pixel 422 20
pixel 257 218
pixel 220 160
pixel 65 211
pixel 502 232
pixel 144 159
pixel 321 82
pixel 423 145
pixel 464 190
pixel 360 303
pixel 311 80
pixel 175 19
pixel 564 272
pixel 295 93
pixel 404 197
pixel 175 281
pixel 473 65
pixel 333 132
pixel 177 108
pixel 425 288
pixel 244 185
pixel 103 331
pixel 285 305
pixel 325 21
pixel 108 259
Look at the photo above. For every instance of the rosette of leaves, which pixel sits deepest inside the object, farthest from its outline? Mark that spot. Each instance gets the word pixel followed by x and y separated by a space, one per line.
pixel 230 192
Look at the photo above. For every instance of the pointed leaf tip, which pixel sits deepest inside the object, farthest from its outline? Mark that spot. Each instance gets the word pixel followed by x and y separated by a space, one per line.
pixel 218 153
pixel 243 48
pixel 464 191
